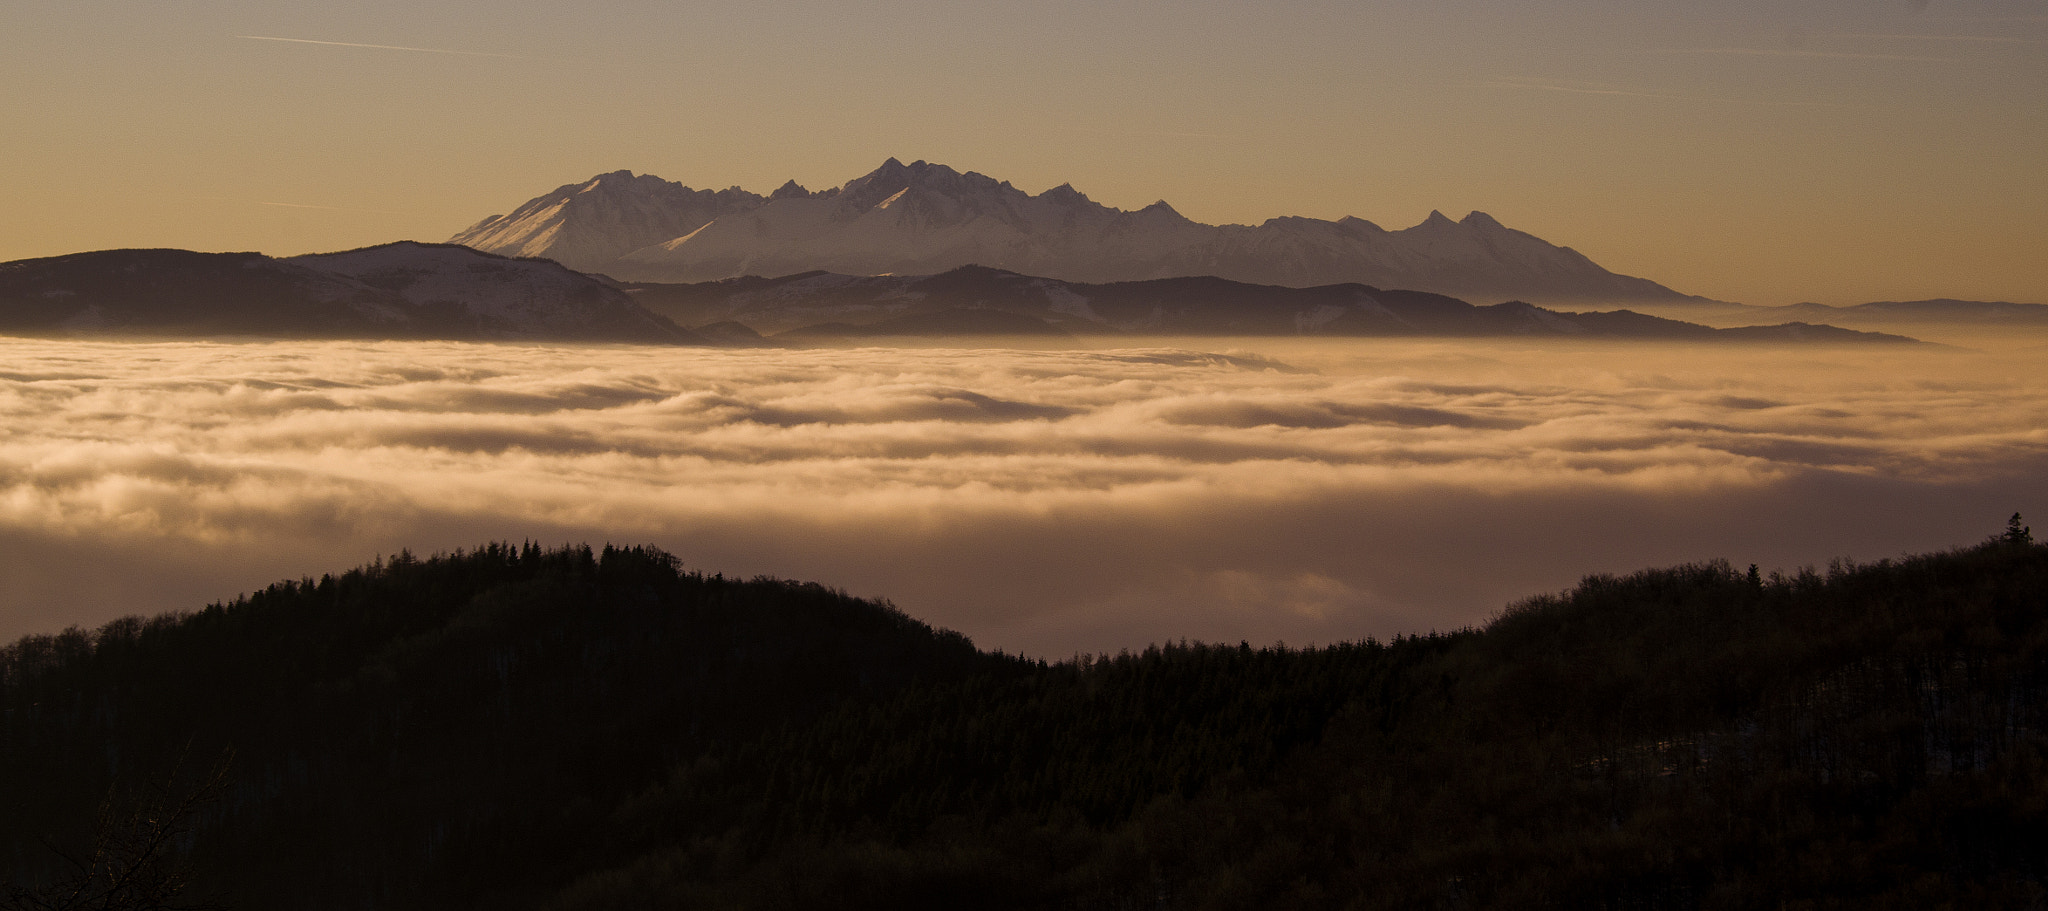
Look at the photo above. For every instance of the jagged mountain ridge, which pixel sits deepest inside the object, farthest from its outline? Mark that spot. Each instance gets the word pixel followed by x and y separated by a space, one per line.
pixel 401 290
pixel 604 218
pixel 819 304
pixel 925 217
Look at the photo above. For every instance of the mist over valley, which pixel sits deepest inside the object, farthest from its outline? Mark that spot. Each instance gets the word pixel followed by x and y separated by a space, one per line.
pixel 1305 455
pixel 1044 502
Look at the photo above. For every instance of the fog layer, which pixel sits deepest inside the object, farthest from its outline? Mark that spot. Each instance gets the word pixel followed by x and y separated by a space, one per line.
pixel 1044 502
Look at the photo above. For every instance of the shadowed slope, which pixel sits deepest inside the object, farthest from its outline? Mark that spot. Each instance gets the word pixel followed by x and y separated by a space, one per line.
pixel 568 729
pixel 1198 305
pixel 401 290
pixel 925 217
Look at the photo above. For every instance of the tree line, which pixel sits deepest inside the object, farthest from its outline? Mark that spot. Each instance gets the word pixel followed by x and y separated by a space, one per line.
pixel 569 728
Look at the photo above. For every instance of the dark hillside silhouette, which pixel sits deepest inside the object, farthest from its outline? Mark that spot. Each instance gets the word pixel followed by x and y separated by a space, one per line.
pixel 566 728
pixel 401 290
pixel 1013 303
pixel 433 728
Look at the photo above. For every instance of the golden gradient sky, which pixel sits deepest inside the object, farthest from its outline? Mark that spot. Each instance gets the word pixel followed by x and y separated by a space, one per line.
pixel 1766 152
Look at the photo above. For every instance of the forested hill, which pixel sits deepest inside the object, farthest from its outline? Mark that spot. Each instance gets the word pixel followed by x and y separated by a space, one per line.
pixel 568 729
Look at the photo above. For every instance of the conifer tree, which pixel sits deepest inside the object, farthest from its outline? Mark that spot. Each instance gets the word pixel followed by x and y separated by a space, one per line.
pixel 2016 533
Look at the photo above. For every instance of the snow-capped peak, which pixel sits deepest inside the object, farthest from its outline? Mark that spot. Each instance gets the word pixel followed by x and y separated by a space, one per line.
pixel 924 217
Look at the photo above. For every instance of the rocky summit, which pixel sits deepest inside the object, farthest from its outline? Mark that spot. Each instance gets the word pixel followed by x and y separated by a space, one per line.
pixel 925 218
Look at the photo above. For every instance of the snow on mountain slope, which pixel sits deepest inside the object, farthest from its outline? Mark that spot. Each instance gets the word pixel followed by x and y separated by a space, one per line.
pixel 586 226
pixel 925 217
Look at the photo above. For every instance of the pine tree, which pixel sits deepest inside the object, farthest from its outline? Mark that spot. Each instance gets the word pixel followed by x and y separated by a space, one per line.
pixel 2016 533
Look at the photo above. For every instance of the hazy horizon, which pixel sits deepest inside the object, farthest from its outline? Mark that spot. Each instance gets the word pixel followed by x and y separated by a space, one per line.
pixel 1765 153
pixel 1057 500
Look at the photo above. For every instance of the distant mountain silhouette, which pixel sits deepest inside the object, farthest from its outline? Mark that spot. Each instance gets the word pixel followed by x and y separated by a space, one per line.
pixel 1939 310
pixel 925 217
pixel 443 291
pixel 947 323
pixel 815 305
pixel 400 290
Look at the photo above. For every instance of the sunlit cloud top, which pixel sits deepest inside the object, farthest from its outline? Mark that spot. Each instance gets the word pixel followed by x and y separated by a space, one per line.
pixel 1048 502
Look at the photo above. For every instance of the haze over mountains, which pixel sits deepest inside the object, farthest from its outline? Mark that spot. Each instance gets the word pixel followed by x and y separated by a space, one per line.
pixel 925 218
pixel 410 290
pixel 401 290
pixel 1940 310
pixel 974 300
pixel 917 250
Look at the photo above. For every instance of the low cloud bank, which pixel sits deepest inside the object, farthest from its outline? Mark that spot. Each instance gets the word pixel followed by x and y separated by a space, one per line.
pixel 1040 501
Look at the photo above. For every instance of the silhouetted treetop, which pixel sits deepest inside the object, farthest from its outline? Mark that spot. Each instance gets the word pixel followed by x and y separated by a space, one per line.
pixel 565 728
pixel 2017 533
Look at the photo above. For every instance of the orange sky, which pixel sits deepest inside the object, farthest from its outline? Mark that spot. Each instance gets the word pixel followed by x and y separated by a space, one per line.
pixel 1762 152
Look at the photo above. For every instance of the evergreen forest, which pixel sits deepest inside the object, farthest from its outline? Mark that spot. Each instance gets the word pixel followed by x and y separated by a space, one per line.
pixel 562 729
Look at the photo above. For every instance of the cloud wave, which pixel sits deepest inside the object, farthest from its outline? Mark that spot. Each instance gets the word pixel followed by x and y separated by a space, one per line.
pixel 1041 501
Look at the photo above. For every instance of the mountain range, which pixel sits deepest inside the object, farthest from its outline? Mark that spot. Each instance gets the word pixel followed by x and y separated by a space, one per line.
pixel 409 290
pixel 976 300
pixel 1939 310
pixel 924 218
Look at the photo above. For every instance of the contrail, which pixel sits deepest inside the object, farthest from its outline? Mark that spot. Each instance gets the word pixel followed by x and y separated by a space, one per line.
pixel 1976 39
pixel 299 205
pixel 1174 133
pixel 384 47
pixel 1550 87
pixel 1624 93
pixel 1770 52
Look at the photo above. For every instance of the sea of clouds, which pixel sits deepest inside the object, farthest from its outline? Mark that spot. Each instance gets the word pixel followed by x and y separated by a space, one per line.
pixel 1046 502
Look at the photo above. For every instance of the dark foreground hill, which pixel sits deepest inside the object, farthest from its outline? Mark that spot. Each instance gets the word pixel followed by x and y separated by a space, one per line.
pixel 518 728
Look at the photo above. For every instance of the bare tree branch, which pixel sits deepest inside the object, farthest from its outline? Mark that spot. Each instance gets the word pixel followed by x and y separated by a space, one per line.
pixel 131 865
